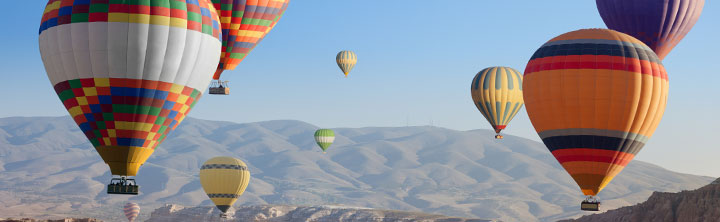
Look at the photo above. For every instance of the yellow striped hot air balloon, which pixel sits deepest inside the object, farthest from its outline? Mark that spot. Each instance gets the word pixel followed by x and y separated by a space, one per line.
pixel 595 97
pixel 497 93
pixel 346 60
pixel 224 179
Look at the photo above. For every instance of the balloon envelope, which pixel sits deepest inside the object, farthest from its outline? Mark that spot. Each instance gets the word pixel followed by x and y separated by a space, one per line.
pixel 595 97
pixel 324 138
pixel 131 211
pixel 497 93
pixel 346 60
pixel 224 180
pixel 244 24
pixel 129 71
pixel 660 24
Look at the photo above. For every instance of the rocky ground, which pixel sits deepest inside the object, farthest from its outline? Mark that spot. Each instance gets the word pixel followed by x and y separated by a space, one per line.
pixel 286 213
pixel 702 204
pixel 56 220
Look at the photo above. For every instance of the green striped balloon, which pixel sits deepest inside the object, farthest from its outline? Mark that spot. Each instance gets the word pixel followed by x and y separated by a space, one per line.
pixel 346 60
pixel 324 138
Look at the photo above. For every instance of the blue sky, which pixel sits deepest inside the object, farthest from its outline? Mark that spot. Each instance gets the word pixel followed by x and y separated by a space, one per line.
pixel 416 61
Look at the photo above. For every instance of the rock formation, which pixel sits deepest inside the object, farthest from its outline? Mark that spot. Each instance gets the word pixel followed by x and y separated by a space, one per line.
pixel 702 204
pixel 286 213
pixel 55 220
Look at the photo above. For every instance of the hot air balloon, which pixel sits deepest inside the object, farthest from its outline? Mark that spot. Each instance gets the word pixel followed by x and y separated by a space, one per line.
pixel 224 179
pixel 129 71
pixel 131 211
pixel 660 24
pixel 324 138
pixel 346 60
pixel 595 97
pixel 244 24
pixel 497 93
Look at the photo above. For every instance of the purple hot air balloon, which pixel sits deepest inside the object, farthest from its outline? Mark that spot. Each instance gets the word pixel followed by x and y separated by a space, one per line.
pixel 131 211
pixel 660 24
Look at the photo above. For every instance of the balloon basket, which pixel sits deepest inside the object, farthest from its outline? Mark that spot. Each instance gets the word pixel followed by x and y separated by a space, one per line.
pixel 590 204
pixel 123 186
pixel 219 88
pixel 498 137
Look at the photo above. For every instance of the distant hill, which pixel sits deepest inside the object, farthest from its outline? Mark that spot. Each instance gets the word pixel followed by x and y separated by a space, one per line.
pixel 285 213
pixel 47 168
pixel 702 204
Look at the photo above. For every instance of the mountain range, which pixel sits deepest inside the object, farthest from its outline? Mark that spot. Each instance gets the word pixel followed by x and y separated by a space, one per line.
pixel 48 169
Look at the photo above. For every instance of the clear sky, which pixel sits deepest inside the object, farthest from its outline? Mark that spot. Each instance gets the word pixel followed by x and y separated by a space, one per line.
pixel 416 61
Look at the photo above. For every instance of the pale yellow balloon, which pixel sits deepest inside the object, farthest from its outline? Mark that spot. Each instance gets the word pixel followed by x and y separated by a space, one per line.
pixel 224 179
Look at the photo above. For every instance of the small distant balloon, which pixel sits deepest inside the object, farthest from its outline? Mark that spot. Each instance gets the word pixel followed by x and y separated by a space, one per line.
pixel 324 138
pixel 131 210
pixel 346 60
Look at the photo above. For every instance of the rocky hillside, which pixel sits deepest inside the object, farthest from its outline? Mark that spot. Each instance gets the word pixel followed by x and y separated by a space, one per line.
pixel 697 205
pixel 52 220
pixel 285 213
pixel 49 170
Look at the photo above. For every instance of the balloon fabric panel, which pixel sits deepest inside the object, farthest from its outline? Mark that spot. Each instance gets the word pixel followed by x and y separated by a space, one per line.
pixel 595 97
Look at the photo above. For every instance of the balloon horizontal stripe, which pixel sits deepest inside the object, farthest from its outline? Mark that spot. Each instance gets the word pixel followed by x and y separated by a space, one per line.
pixel 593 132
pixel 595 62
pixel 593 155
pixel 120 112
pixel 623 49
pixel 593 142
pixel 223 166
pixel 223 195
pixel 192 15
pixel 616 44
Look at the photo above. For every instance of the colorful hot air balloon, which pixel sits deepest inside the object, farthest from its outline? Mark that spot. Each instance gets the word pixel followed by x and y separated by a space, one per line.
pixel 324 138
pixel 595 97
pixel 346 60
pixel 131 211
pixel 129 71
pixel 497 93
pixel 244 24
pixel 660 24
pixel 224 179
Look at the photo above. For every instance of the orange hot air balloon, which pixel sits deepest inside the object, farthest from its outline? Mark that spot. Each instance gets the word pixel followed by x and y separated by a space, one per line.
pixel 595 97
